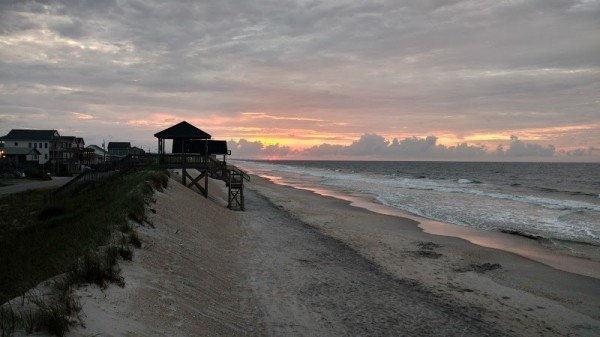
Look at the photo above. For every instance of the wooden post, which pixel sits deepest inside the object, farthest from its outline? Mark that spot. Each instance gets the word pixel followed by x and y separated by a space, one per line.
pixel 206 165
pixel 183 162
pixel 160 150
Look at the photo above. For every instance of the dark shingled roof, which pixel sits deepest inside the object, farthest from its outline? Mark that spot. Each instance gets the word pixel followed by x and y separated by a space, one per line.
pixel 182 130
pixel 197 146
pixel 68 138
pixel 20 134
pixel 119 145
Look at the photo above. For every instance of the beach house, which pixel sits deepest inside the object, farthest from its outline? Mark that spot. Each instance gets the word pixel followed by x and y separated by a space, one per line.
pixel 95 155
pixel 120 150
pixel 44 150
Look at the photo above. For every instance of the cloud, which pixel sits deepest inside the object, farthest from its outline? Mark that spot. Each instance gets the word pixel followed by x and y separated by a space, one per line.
pixel 256 149
pixel 82 116
pixel 591 151
pixel 373 146
pixel 413 145
pixel 324 150
pixel 517 148
pixel 368 144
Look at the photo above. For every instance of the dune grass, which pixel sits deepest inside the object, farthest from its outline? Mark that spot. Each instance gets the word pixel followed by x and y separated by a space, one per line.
pixel 41 237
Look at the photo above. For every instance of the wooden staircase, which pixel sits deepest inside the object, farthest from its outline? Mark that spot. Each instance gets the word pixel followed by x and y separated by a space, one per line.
pixel 235 182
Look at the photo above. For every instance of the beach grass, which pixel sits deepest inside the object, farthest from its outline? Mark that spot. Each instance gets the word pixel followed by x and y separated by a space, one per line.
pixel 41 237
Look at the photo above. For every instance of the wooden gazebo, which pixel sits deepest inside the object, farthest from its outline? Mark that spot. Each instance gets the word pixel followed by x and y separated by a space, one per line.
pixel 182 134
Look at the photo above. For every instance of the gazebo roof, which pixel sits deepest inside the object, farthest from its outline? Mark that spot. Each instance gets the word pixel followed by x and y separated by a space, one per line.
pixel 183 130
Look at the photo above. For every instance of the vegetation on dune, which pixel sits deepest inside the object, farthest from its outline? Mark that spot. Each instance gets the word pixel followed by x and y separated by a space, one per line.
pixel 41 237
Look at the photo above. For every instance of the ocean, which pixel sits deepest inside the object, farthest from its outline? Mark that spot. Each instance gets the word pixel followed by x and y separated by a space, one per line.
pixel 555 202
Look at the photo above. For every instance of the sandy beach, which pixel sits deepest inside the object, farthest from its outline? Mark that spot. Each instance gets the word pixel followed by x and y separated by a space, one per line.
pixel 296 263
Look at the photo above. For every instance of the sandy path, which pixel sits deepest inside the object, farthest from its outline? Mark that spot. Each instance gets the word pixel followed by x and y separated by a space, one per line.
pixel 309 284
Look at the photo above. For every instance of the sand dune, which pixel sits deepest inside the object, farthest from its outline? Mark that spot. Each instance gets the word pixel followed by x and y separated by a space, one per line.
pixel 186 280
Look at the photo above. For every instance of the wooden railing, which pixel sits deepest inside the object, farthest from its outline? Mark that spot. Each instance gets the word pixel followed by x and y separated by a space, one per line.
pixel 98 175
pixel 85 177
pixel 178 159
pixel 217 169
pixel 236 171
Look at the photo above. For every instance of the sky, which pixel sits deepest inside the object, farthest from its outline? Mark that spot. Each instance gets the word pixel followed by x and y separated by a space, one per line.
pixel 515 80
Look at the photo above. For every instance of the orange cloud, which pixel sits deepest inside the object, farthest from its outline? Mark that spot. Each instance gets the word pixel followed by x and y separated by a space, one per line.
pixel 263 115
pixel 81 116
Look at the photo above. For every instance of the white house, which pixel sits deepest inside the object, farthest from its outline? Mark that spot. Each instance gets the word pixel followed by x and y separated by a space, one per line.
pixel 56 154
pixel 21 140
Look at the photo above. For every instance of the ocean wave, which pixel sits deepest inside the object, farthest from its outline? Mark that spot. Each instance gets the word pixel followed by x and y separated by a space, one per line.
pixel 574 193
pixel 467 181
pixel 462 186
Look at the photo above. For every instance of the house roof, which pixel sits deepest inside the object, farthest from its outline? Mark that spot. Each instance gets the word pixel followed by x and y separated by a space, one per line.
pixel 97 149
pixel 21 151
pixel 119 145
pixel 182 130
pixel 137 149
pixel 25 134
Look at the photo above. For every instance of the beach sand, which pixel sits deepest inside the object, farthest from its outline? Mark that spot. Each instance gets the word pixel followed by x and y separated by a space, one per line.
pixel 296 263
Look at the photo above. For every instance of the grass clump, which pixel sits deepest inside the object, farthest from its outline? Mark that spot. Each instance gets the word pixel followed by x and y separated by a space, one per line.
pixel 99 268
pixel 51 312
pixel 8 321
pixel 53 315
pixel 134 239
pixel 126 252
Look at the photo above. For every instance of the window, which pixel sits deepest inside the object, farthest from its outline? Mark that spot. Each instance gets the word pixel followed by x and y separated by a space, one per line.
pixel 40 145
pixel 30 145
pixel 45 145
pixel 34 145
pixel 16 143
pixel 46 155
